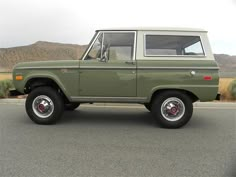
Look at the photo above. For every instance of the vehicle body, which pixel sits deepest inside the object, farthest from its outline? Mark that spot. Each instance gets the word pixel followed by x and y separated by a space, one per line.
pixel 128 66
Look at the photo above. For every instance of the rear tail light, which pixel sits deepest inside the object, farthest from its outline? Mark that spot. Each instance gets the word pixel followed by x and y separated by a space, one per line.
pixel 207 78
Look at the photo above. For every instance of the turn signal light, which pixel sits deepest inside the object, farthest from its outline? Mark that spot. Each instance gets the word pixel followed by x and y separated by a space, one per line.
pixel 19 78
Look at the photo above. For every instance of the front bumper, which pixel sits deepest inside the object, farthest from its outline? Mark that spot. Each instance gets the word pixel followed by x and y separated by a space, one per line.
pixel 14 92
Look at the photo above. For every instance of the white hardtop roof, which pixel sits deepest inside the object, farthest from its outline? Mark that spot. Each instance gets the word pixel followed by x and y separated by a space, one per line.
pixel 154 29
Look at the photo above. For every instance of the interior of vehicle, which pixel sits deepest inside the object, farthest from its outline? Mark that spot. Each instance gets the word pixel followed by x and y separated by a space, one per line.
pixel 112 46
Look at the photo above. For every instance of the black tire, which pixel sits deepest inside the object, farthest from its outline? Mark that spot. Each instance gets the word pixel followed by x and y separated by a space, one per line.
pixel 148 106
pixel 51 96
pixel 182 115
pixel 71 106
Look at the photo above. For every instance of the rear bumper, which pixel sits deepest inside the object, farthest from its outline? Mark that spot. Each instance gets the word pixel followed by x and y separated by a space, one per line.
pixel 14 92
pixel 217 96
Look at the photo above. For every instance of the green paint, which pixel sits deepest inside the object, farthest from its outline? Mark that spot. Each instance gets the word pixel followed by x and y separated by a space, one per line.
pixel 118 79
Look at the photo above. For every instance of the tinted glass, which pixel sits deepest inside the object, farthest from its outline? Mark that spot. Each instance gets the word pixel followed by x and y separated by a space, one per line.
pixel 173 45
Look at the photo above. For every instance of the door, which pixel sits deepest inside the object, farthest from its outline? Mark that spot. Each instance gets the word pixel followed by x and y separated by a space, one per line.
pixel 109 68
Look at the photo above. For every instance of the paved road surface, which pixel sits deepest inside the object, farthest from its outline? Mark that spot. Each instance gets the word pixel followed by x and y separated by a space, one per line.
pixel 115 141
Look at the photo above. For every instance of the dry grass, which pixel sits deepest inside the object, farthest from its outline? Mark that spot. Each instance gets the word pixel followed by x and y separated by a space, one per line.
pixel 4 76
pixel 223 88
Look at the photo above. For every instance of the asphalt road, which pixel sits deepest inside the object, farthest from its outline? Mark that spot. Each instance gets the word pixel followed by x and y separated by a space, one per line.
pixel 115 141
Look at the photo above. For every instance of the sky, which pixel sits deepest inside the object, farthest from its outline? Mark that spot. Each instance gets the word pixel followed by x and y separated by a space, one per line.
pixel 23 22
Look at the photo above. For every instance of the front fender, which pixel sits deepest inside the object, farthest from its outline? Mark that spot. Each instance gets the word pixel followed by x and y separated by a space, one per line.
pixel 20 85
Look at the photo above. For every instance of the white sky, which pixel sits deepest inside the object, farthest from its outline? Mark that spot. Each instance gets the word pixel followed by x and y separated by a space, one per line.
pixel 24 22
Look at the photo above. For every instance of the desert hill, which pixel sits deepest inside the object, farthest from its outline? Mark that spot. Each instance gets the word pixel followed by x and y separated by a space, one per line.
pixel 226 62
pixel 39 51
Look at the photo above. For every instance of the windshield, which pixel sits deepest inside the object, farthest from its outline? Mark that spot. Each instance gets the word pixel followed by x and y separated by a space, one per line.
pixel 90 43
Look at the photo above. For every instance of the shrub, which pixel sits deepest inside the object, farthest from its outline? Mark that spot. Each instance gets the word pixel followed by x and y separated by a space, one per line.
pixel 232 89
pixel 5 86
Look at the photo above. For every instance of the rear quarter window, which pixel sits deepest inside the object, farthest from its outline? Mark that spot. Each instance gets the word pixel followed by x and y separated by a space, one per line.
pixel 170 45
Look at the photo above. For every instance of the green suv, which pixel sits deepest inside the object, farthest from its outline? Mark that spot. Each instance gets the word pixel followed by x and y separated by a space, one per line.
pixel 165 69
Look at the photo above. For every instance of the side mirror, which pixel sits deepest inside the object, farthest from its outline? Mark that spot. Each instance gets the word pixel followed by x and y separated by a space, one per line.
pixel 104 57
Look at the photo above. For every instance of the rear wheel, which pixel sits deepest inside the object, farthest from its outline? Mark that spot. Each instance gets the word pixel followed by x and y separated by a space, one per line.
pixel 44 105
pixel 71 106
pixel 172 109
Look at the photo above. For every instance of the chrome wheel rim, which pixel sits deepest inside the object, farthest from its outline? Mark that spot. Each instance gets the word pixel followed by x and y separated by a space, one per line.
pixel 43 106
pixel 173 109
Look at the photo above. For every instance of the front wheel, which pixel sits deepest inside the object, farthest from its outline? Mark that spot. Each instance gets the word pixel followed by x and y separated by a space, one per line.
pixel 44 105
pixel 172 109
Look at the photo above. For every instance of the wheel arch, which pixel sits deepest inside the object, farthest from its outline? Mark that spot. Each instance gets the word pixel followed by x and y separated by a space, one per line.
pixel 191 95
pixel 40 81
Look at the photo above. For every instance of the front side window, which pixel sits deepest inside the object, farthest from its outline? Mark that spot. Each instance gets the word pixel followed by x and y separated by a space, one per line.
pixel 173 45
pixel 113 46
